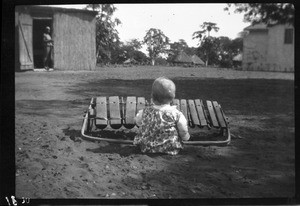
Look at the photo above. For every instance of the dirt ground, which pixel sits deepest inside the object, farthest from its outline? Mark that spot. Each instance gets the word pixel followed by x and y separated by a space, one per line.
pixel 53 161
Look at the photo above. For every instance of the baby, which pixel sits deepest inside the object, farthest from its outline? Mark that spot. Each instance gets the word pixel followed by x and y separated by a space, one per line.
pixel 161 126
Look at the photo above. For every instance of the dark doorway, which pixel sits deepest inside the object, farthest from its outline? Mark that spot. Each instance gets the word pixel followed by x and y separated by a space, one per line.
pixel 39 26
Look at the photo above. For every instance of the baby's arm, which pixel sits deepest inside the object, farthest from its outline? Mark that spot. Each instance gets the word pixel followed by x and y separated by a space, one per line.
pixel 183 128
pixel 138 118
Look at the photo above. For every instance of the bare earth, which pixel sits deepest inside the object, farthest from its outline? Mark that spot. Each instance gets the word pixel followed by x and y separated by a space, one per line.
pixel 53 161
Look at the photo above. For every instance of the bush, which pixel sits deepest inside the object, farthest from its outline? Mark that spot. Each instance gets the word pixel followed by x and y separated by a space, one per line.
pixel 161 61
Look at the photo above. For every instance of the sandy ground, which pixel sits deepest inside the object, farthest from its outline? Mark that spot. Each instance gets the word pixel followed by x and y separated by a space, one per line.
pixel 53 161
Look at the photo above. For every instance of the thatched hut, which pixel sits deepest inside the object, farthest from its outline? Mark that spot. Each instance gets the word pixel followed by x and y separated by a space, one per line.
pixel 73 32
pixel 183 59
pixel 196 60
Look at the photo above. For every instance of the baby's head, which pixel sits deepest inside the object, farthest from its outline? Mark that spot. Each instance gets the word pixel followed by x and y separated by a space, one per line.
pixel 163 90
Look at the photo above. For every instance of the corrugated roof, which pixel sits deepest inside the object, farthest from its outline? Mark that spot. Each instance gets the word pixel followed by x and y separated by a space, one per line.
pixel 50 8
pixel 256 27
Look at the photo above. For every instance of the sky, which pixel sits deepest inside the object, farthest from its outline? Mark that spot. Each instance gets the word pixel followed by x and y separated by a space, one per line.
pixel 176 21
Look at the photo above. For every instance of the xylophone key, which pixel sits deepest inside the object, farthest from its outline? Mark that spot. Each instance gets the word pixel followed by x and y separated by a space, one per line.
pixel 212 115
pixel 130 112
pixel 193 113
pixel 200 111
pixel 183 108
pixel 114 112
pixel 219 114
pixel 101 113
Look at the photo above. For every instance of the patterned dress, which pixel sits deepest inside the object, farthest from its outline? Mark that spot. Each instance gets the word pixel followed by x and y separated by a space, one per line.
pixel 158 133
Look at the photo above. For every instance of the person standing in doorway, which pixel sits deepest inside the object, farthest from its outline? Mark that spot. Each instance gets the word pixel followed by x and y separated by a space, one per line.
pixel 48 48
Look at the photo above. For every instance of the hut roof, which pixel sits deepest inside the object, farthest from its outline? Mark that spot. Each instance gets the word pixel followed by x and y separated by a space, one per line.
pixel 238 58
pixel 197 60
pixel 128 61
pixel 182 57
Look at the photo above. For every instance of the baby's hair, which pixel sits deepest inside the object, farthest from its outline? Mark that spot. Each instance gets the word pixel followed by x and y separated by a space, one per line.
pixel 163 90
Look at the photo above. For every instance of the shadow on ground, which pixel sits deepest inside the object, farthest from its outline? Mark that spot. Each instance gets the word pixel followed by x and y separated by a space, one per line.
pixel 245 95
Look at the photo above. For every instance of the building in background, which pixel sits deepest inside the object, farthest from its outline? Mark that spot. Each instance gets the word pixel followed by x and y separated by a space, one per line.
pixel 73 32
pixel 183 59
pixel 269 48
pixel 197 61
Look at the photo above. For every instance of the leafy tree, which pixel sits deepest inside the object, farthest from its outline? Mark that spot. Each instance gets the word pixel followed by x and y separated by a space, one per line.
pixel 181 45
pixel 107 38
pixel 132 50
pixel 128 51
pixel 190 51
pixel 118 54
pixel 206 27
pixel 135 44
pixel 176 48
pixel 207 40
pixel 161 61
pixel 224 52
pixel 267 13
pixel 236 45
pixel 224 43
pixel 220 50
pixel 156 42
pixel 140 57
pixel 208 50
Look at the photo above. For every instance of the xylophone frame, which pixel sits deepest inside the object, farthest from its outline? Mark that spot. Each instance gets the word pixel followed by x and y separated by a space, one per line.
pixel 224 131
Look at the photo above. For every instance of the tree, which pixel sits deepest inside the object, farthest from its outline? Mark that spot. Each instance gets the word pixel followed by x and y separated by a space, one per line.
pixel 236 45
pixel 137 55
pixel 129 50
pixel 180 45
pixel 208 50
pixel 176 48
pixel 118 54
pixel 206 27
pixel 107 38
pixel 220 50
pixel 156 42
pixel 135 44
pixel 267 13
pixel 140 57
pixel 226 51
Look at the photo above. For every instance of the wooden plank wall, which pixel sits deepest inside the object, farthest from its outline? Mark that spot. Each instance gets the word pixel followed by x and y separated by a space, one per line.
pixel 23 26
pixel 74 36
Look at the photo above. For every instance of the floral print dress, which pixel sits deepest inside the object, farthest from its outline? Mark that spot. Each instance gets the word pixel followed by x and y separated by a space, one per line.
pixel 158 133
